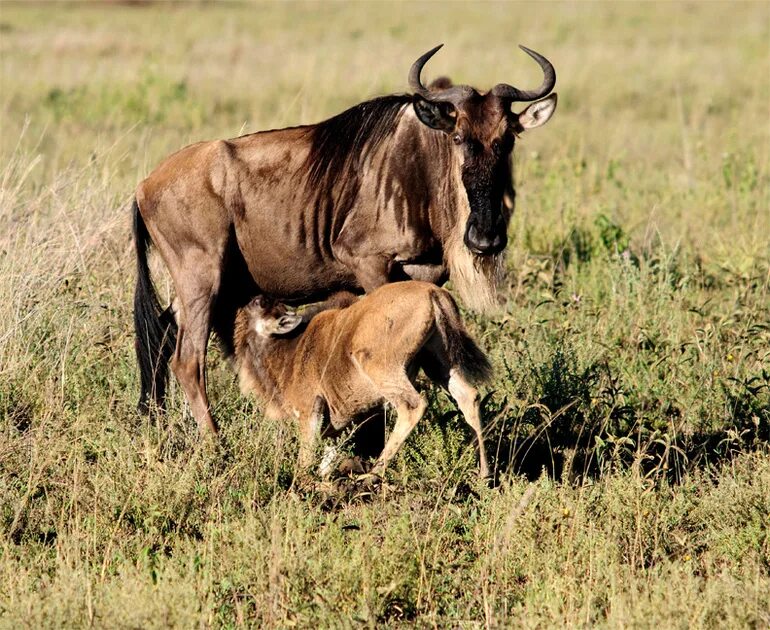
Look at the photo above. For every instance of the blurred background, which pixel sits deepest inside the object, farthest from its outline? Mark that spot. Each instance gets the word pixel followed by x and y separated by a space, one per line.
pixel 664 96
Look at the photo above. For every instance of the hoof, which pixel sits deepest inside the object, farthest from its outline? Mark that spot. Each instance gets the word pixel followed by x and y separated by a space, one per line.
pixel 351 466
pixel 369 480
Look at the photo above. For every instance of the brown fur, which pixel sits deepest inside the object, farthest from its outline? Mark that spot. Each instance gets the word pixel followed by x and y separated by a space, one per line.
pixel 371 196
pixel 355 358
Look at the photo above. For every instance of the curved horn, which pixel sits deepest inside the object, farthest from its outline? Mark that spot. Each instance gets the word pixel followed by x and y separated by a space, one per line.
pixel 453 94
pixel 414 73
pixel 503 90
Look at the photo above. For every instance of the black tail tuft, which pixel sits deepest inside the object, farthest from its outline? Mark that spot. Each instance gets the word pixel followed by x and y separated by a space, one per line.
pixel 471 359
pixel 155 328
pixel 461 348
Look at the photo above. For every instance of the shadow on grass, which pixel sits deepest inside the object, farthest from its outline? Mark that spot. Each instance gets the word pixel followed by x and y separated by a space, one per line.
pixel 584 423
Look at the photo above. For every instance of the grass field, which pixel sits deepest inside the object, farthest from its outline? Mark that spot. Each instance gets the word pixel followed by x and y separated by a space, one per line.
pixel 629 417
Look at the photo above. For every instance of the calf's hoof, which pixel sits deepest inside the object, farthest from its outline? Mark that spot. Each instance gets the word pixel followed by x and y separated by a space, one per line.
pixel 351 466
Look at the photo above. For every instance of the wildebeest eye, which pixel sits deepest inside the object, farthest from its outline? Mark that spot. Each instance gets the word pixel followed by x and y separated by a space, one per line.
pixel 457 138
pixel 496 146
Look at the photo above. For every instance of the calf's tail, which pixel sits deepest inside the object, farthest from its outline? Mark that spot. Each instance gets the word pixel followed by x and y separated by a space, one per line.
pixel 463 352
pixel 155 328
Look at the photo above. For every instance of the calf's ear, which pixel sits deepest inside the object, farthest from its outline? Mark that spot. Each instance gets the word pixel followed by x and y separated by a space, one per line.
pixel 441 116
pixel 287 323
pixel 538 113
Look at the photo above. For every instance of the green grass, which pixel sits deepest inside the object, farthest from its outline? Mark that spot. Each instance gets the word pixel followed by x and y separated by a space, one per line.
pixel 629 416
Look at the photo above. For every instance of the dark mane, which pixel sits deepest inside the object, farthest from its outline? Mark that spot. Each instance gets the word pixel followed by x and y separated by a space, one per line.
pixel 340 143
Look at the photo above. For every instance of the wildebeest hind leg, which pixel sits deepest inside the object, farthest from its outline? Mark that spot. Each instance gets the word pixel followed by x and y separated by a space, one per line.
pixel 196 292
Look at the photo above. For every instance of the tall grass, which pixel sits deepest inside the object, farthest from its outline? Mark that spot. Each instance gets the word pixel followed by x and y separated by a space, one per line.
pixel 630 412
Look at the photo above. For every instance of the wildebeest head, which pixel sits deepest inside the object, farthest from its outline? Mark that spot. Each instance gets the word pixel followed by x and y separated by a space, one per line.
pixel 483 129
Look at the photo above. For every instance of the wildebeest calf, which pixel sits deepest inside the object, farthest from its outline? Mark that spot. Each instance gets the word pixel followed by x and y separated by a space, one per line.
pixel 352 355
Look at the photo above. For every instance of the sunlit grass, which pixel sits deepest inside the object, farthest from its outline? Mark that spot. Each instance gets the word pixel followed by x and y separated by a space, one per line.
pixel 630 412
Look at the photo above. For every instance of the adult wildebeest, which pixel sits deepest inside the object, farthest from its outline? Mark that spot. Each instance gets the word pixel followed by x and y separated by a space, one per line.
pixel 339 366
pixel 404 186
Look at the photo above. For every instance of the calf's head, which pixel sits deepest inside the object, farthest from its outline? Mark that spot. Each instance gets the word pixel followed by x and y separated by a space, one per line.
pixel 268 318
pixel 483 128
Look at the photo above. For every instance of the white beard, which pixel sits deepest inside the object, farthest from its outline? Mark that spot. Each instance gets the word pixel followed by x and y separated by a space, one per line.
pixel 474 277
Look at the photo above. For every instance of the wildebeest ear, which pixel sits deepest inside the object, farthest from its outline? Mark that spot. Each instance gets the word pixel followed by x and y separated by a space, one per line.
pixel 538 113
pixel 441 116
pixel 441 83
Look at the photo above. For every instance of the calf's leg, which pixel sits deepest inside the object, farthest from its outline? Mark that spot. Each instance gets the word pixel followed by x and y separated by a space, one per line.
pixel 407 418
pixel 467 398
pixel 435 362
pixel 309 429
pixel 410 407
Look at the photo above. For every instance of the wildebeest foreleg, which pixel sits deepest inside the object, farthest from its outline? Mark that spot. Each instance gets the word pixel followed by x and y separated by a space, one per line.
pixel 435 274
pixel 371 271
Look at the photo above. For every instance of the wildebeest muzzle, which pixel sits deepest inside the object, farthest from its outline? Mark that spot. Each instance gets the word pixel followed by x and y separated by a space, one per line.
pixel 485 231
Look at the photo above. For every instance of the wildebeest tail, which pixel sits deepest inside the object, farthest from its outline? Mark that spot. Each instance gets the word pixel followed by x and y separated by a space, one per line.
pixel 463 352
pixel 155 328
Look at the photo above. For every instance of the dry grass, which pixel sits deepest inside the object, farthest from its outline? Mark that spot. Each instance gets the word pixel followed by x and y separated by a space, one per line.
pixel 631 408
